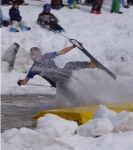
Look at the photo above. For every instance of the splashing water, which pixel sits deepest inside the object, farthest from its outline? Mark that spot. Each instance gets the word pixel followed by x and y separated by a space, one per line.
pixel 93 86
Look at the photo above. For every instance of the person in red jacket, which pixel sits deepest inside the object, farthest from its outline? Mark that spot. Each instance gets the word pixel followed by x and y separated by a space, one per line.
pixel 96 7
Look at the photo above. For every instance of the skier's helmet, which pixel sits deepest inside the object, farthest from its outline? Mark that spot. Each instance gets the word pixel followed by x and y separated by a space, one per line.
pixel 47 6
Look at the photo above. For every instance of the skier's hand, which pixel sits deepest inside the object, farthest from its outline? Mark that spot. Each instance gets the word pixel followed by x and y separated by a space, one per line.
pixel 20 82
pixel 79 44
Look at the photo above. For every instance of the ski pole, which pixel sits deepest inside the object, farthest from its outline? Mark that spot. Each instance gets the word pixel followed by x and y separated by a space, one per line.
pixel 59 33
pixel 42 85
pixel 38 85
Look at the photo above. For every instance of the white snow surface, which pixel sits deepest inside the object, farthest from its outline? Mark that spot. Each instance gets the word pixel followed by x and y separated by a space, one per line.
pixel 108 37
pixel 49 125
pixel 104 112
pixel 96 127
pixel 123 121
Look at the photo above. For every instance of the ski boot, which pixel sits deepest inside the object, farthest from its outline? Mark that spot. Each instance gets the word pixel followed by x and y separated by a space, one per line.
pixel 98 12
pixel 25 28
pixel 92 11
pixel 92 65
pixel 13 30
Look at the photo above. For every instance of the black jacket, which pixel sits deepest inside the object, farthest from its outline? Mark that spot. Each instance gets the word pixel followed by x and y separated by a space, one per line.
pixel 55 3
pixel 45 18
pixel 15 14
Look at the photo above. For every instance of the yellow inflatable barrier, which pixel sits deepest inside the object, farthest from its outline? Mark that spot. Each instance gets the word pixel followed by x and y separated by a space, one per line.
pixel 84 113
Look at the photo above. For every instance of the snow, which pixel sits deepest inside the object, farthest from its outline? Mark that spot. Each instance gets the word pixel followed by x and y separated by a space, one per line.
pixel 123 121
pixel 54 132
pixel 96 127
pixel 49 125
pixel 104 112
pixel 108 37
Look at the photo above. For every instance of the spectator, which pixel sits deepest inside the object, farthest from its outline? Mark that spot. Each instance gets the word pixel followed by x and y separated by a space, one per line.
pixel 116 6
pixel 3 21
pixel 73 4
pixel 16 19
pixel 130 2
pixel 5 2
pixel 48 20
pixel 124 4
pixel 96 7
pixel 56 4
pixel 89 1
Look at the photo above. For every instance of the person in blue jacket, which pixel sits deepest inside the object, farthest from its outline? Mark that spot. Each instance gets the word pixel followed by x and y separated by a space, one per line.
pixel 3 21
pixel 16 19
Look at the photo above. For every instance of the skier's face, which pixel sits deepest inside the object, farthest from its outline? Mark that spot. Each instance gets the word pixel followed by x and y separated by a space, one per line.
pixel 36 55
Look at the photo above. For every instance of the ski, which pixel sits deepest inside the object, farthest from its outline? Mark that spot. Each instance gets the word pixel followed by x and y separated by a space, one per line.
pixel 94 60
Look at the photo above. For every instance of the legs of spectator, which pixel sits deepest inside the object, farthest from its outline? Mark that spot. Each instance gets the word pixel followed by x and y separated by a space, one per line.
pixel 23 26
pixel 14 26
pixel 124 4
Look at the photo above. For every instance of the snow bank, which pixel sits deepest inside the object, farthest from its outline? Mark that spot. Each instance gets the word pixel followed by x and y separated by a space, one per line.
pixel 23 61
pixel 5 66
pixel 7 146
pixel 8 134
pixel 55 126
pixel 10 54
pixel 104 112
pixel 105 121
pixel 123 122
pixel 55 133
pixel 31 140
pixel 96 127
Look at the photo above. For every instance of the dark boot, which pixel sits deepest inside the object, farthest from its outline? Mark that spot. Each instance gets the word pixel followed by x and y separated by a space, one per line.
pixel 126 6
pixel 111 11
pixel 119 12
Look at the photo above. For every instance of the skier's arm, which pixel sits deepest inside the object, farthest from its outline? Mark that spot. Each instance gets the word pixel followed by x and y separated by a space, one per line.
pixel 65 50
pixel 24 81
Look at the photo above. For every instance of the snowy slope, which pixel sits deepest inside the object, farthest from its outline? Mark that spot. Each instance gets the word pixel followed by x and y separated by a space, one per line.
pixel 108 37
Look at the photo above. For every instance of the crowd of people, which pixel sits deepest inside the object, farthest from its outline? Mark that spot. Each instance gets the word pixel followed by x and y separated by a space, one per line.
pixel 48 20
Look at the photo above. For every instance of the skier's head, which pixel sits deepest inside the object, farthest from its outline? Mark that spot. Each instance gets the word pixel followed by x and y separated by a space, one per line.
pixel 35 54
pixel 47 8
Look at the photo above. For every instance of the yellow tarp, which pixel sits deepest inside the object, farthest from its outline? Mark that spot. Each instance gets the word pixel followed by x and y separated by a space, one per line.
pixel 84 113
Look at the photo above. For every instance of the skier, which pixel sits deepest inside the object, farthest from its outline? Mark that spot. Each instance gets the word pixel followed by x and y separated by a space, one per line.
pixel 16 19
pixel 96 7
pixel 116 6
pixel 48 20
pixel 46 67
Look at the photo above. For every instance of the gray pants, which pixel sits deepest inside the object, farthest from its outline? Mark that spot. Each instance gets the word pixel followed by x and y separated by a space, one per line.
pixel 77 65
pixel 15 24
